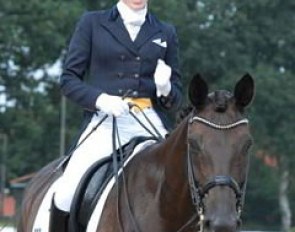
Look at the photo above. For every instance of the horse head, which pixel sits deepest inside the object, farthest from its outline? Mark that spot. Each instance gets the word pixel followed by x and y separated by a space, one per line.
pixel 218 143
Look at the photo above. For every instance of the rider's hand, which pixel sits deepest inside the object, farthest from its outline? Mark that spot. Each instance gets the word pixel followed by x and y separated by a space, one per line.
pixel 112 105
pixel 162 77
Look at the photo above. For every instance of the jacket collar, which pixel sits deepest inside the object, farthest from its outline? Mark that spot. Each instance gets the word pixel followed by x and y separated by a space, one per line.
pixel 150 27
pixel 114 14
pixel 114 24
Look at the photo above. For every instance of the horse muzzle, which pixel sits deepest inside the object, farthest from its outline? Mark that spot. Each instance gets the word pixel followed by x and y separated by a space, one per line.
pixel 218 224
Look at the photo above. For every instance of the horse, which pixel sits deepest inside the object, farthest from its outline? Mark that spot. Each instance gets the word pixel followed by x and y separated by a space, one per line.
pixel 193 180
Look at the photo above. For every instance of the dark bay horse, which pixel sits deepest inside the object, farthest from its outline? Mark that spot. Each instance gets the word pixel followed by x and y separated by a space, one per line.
pixel 192 181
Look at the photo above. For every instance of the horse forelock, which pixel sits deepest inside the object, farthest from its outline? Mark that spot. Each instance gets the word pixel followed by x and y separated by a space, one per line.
pixel 221 108
pixel 183 113
pixel 220 100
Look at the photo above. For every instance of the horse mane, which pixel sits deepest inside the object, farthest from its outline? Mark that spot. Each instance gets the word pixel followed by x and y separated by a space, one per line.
pixel 183 113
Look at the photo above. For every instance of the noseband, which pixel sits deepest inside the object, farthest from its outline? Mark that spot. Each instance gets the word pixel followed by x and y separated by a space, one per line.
pixel 198 193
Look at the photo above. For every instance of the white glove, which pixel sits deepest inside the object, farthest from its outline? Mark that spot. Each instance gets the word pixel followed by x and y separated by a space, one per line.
pixel 162 77
pixel 112 105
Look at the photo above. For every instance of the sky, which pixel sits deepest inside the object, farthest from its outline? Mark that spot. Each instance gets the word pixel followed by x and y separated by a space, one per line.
pixel 53 70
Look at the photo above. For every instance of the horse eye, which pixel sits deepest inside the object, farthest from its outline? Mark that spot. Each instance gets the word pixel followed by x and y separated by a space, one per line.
pixel 194 144
pixel 247 146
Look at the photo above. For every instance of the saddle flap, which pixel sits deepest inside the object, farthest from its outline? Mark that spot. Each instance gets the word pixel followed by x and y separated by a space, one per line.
pixel 93 183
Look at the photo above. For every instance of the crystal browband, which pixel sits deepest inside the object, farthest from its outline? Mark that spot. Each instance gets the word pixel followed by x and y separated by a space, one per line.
pixel 219 126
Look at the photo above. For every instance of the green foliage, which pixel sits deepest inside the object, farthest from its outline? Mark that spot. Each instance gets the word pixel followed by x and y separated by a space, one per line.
pixel 225 39
pixel 261 209
pixel 33 36
pixel 274 111
pixel 220 39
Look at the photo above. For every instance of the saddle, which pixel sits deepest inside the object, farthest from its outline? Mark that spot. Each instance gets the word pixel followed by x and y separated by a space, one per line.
pixel 93 183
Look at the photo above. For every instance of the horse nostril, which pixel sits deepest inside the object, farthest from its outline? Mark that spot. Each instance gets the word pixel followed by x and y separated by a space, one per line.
pixel 239 223
pixel 207 223
pixel 224 225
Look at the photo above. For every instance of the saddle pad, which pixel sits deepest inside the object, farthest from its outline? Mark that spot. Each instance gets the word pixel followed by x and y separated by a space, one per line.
pixel 95 216
pixel 41 223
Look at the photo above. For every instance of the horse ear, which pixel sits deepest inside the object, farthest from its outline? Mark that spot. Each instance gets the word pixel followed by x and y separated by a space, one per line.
pixel 198 91
pixel 244 91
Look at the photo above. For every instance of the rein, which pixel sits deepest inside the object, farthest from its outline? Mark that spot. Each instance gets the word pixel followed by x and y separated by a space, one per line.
pixel 197 193
pixel 116 138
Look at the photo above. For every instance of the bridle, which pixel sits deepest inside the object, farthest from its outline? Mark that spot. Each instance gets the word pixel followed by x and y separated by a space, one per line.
pixel 197 192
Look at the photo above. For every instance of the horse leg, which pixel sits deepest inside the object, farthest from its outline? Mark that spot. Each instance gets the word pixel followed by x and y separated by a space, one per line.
pixel 109 218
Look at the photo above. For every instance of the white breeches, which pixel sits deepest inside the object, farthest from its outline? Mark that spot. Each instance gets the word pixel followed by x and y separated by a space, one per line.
pixel 99 145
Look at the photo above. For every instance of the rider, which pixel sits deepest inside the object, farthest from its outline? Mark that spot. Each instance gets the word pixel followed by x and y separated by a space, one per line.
pixel 126 51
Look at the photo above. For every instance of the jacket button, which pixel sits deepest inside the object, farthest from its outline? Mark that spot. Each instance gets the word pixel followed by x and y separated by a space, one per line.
pixel 120 91
pixel 138 58
pixel 123 57
pixel 135 94
pixel 120 74
pixel 136 75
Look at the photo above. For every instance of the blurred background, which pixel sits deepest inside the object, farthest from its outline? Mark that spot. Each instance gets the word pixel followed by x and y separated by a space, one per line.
pixel 221 39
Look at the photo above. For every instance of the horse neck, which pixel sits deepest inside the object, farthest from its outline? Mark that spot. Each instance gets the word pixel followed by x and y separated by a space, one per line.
pixel 175 188
pixel 175 158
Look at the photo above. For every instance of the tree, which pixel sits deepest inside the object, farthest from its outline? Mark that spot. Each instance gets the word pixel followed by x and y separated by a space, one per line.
pixel 275 107
pixel 33 37
pixel 220 39
pixel 223 40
